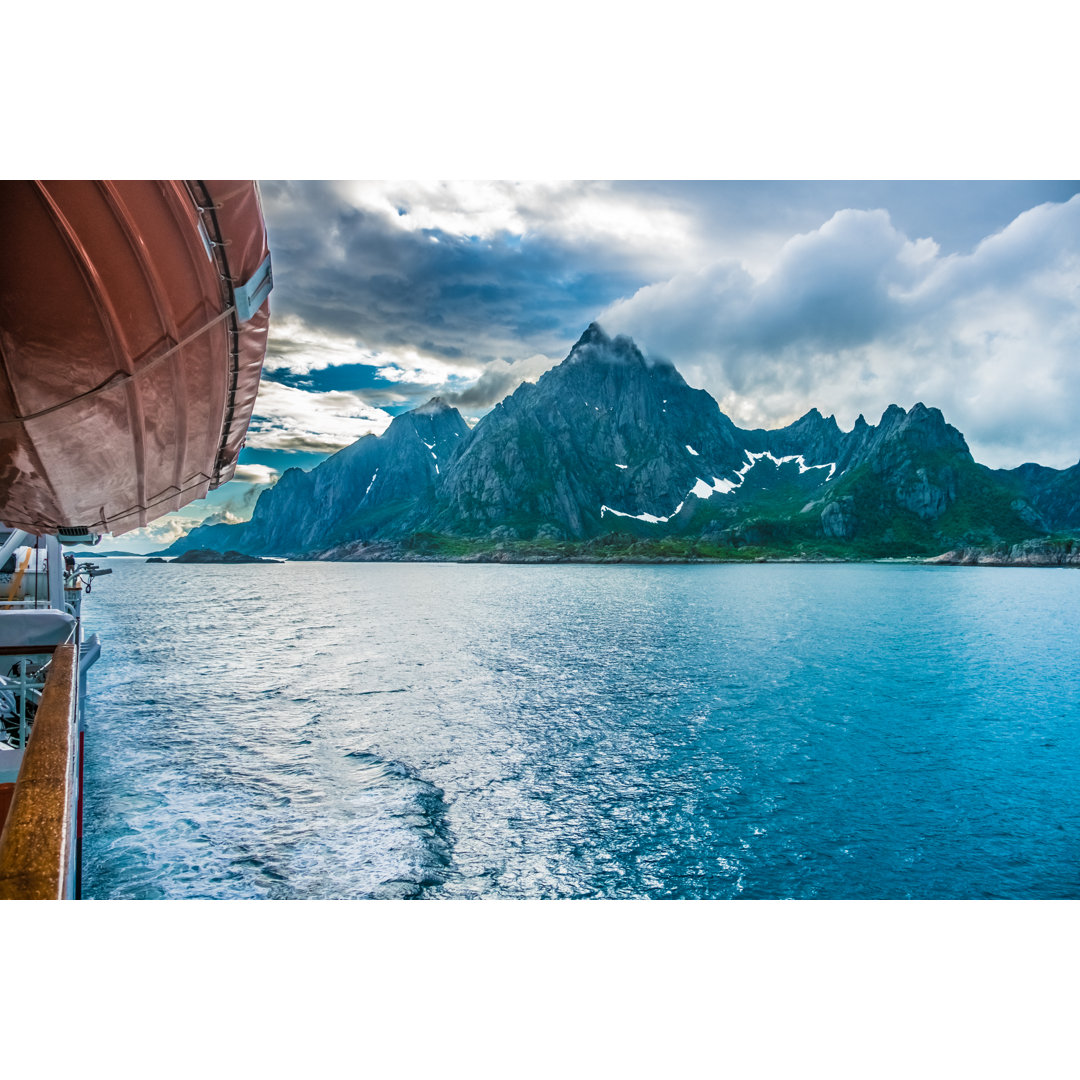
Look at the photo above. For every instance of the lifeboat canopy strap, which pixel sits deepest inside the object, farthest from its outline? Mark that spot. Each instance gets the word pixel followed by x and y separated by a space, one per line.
pixel 250 297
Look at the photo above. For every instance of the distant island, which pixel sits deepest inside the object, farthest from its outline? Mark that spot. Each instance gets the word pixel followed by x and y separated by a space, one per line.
pixel 612 457
pixel 88 552
pixel 204 555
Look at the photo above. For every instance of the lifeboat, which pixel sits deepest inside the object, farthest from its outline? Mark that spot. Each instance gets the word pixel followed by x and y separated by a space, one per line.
pixel 133 326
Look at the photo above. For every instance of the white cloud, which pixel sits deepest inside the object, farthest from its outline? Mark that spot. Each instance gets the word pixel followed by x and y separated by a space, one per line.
pixel 572 212
pixel 298 348
pixel 169 528
pixel 499 378
pixel 287 418
pixel 222 517
pixel 158 534
pixel 413 367
pixel 855 315
pixel 458 208
pixel 259 475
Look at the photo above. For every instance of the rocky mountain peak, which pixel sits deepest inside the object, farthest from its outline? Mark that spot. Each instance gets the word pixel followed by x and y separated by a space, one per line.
pixel 919 427
pixel 928 429
pixel 435 419
pixel 595 346
pixel 815 421
pixel 432 407
pixel 593 335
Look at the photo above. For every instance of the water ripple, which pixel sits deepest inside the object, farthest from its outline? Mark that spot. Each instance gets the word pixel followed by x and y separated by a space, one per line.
pixel 559 731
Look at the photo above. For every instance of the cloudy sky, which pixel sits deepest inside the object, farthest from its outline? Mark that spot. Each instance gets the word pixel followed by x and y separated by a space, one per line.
pixel 773 296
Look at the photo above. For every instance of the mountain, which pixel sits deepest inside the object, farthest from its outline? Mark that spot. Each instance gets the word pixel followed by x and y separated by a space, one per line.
pixel 604 435
pixel 610 447
pixel 361 489
pixel 1047 498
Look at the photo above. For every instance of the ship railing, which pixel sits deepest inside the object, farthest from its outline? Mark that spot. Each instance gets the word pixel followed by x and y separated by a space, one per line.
pixel 21 686
pixel 25 688
pixel 38 845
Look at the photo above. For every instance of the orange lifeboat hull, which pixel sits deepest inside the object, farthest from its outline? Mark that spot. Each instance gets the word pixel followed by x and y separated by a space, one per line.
pixel 133 326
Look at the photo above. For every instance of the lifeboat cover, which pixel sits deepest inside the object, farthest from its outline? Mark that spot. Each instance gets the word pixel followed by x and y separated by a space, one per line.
pixel 133 326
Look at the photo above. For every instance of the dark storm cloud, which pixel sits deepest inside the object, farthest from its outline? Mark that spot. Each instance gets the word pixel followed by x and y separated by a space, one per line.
pixel 356 273
pixel 498 379
pixel 828 292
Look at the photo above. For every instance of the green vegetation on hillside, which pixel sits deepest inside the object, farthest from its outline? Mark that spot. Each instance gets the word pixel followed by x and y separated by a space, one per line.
pixel 624 547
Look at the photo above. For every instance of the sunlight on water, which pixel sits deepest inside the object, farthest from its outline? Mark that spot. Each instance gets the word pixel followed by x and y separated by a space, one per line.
pixel 351 730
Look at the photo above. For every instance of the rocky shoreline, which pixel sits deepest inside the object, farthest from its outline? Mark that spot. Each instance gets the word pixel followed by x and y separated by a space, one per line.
pixel 1044 553
pixel 1028 553
pixel 389 551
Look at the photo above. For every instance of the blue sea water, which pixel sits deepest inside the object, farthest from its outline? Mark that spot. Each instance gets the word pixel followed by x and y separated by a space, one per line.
pixel 439 730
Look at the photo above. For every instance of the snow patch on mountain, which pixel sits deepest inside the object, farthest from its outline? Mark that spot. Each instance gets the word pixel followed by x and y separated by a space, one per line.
pixel 651 518
pixel 704 490
pixel 798 458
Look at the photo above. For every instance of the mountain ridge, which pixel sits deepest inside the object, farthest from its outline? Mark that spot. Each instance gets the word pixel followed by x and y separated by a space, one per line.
pixel 610 443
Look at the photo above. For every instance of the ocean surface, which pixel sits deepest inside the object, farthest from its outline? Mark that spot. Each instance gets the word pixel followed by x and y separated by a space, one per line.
pixel 444 731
